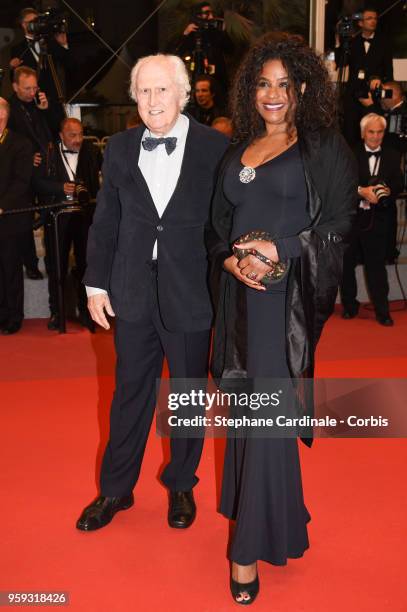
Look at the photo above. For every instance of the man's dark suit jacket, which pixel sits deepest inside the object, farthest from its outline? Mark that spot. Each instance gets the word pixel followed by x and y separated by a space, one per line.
pixel 50 176
pixel 126 225
pixel 15 176
pixel 378 62
pixel 389 169
pixel 37 131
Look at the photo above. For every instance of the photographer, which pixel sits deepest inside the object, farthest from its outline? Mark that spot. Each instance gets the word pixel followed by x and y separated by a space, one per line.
pixel 369 57
pixel 205 42
pixel 70 170
pixel 205 107
pixel 35 47
pixel 394 110
pixel 379 184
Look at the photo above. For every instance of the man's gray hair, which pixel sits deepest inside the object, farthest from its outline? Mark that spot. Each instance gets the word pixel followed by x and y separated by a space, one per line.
pixel 181 77
pixel 368 119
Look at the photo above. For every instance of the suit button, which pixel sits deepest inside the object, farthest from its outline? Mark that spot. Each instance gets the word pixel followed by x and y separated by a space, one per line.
pixel 160 228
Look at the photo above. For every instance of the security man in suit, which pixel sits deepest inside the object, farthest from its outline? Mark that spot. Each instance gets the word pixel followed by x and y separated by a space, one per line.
pixel 147 264
pixel 15 176
pixel 379 184
pixel 70 163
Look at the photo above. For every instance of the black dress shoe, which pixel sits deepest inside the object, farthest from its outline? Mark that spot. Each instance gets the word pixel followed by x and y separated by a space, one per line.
pixel 53 323
pixel 85 320
pixel 350 313
pixel 246 592
pixel 101 511
pixel 181 509
pixel 387 321
pixel 33 274
pixel 11 328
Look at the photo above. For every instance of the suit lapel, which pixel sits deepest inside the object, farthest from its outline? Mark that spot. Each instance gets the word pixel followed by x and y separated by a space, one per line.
pixel 133 152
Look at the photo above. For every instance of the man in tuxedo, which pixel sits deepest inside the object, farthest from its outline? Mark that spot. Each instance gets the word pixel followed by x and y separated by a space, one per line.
pixel 379 184
pixel 71 162
pixel 147 264
pixel 370 64
pixel 15 175
pixel 29 53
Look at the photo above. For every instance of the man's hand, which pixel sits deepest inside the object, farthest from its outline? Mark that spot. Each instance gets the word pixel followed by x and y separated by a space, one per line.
pixel 37 159
pixel 191 27
pixel 15 62
pixel 366 102
pixel 61 38
pixel 43 105
pixel 231 265
pixel 69 188
pixel 367 193
pixel 97 305
pixel 374 83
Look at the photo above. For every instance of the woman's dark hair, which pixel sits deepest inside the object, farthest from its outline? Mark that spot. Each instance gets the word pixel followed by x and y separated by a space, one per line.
pixel 315 108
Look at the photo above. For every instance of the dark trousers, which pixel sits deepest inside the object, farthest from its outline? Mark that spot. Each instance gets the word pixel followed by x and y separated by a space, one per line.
pixel 140 349
pixel 29 253
pixel 370 243
pixel 11 280
pixel 73 232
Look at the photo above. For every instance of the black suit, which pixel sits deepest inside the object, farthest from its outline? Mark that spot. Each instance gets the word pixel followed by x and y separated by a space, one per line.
pixel 159 310
pixel 48 182
pixel 376 63
pixel 15 176
pixel 26 119
pixel 373 234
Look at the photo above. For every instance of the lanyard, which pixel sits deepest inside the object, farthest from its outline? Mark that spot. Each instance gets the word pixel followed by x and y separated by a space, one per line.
pixel 67 162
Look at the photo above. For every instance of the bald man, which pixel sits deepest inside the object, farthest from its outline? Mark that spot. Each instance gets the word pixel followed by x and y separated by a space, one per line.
pixel 70 162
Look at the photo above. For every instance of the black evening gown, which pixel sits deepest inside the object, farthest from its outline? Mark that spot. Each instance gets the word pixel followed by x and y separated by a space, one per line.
pixel 262 488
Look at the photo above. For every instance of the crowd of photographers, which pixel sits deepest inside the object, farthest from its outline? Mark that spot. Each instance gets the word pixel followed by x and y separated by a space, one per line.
pixel 44 158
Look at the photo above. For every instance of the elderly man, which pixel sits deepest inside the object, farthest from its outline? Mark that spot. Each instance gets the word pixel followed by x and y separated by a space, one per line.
pixel 379 184
pixel 147 265
pixel 15 175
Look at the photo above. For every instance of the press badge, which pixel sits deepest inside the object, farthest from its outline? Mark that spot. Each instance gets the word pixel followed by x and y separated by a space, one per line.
pixel 361 75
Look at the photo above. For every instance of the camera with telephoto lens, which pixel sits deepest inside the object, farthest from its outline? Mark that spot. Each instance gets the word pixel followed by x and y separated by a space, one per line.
pixel 380 191
pixel 345 26
pixel 208 24
pixel 47 24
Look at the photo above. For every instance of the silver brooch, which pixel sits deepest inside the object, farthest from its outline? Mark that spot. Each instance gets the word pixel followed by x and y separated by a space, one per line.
pixel 247 174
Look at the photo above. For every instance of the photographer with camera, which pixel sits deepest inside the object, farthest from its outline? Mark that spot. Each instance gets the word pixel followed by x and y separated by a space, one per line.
pixel 203 45
pixel 394 110
pixel 369 57
pixel 379 184
pixel 70 171
pixel 45 41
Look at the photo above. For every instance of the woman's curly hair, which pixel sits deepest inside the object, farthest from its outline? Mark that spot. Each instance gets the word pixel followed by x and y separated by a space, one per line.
pixel 313 109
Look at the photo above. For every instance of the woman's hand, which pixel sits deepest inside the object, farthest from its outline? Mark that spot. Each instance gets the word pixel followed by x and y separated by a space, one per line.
pixel 263 246
pixel 231 265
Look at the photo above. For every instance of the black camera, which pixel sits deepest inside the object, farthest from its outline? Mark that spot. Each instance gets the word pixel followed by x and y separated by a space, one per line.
pixel 208 24
pixel 379 93
pixel 47 24
pixel 345 26
pixel 380 191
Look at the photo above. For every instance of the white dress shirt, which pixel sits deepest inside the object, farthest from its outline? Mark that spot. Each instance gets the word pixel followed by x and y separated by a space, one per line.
pixel 70 161
pixel 161 172
pixel 374 165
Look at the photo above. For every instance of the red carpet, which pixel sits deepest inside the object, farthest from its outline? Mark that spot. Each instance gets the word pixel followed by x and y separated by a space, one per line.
pixel 55 395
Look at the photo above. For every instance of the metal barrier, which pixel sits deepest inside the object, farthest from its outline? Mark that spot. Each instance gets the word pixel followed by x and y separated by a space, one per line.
pixel 55 210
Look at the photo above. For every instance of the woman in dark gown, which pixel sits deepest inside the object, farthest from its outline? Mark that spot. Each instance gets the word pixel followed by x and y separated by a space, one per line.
pixel 290 175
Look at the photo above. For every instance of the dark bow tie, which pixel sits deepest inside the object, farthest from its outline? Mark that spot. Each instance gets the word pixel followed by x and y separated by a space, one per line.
pixel 368 40
pixel 374 153
pixel 149 143
pixel 70 151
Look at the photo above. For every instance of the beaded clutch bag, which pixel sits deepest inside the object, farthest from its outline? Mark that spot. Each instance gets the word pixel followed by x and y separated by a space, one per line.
pixel 279 270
